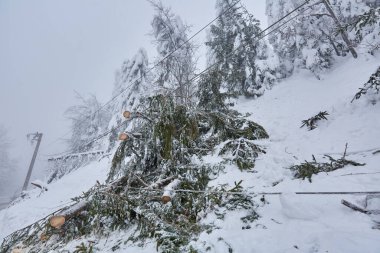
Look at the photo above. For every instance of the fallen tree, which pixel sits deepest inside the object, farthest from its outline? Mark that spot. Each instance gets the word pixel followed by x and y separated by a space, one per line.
pixel 140 192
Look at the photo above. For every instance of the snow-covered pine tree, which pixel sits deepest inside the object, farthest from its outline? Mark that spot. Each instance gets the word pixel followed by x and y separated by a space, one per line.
pixel 305 42
pixel 132 87
pixel 131 82
pixel 238 147
pixel 233 48
pixel 267 67
pixel 88 121
pixel 175 71
pixel 313 39
pixel 209 92
pixel 366 28
pixel 164 154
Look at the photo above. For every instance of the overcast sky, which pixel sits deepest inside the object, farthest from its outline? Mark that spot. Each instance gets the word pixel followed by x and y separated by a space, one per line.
pixel 49 48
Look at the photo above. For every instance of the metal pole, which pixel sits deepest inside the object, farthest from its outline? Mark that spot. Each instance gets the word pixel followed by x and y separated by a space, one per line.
pixel 39 135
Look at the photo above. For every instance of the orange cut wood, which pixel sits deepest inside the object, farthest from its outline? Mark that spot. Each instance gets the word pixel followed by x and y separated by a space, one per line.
pixel 17 250
pixel 123 136
pixel 57 221
pixel 165 199
pixel 127 114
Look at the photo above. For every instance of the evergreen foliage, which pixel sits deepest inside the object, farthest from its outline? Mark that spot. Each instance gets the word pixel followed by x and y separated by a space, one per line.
pixel 82 248
pixel 176 62
pixel 313 39
pixel 131 82
pixel 308 169
pixel 87 122
pixel 242 151
pixel 233 44
pixel 311 123
pixel 370 88
pixel 166 145
pixel 170 135
pixel 132 86
pixel 308 43
pixel 209 92
pixel 367 28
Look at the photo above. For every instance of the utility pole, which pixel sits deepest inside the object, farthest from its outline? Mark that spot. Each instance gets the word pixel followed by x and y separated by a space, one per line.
pixel 343 33
pixel 36 136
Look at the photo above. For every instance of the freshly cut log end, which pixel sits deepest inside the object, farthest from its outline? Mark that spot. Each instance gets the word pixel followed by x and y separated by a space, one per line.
pixel 165 199
pixel 123 137
pixel 57 221
pixel 18 249
pixel 127 114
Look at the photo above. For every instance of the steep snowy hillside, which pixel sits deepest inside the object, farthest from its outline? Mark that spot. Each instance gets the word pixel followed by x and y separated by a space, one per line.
pixel 310 223
pixel 288 222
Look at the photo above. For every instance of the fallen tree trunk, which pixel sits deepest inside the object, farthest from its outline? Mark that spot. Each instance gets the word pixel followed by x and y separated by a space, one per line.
pixel 59 219
pixel 355 207
pixel 169 191
pixel 161 182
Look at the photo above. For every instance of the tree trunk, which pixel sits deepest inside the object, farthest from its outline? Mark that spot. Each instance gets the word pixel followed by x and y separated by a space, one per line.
pixel 342 32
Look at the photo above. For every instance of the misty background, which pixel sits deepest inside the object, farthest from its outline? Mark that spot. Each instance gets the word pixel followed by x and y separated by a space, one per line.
pixel 51 49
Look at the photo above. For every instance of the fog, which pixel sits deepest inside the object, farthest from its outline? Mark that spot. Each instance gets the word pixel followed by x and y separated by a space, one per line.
pixel 49 49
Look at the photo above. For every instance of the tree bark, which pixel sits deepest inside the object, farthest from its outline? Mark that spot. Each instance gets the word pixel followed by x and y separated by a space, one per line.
pixel 342 32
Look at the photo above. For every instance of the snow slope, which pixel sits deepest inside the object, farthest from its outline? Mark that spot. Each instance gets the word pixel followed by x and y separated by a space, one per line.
pixel 289 222
pixel 310 223
pixel 37 205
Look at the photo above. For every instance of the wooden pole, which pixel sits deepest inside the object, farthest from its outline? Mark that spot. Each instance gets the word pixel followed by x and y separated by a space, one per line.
pixel 343 33
pixel 39 136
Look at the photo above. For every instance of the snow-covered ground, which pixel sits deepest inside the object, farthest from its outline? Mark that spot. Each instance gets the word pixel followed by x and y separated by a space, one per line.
pixel 289 222
pixel 37 205
pixel 310 223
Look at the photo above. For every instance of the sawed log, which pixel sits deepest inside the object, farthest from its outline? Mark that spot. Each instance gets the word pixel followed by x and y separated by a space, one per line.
pixel 58 220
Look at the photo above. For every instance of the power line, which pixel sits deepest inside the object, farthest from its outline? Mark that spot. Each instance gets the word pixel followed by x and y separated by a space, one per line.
pixel 257 193
pixel 170 54
pixel 92 141
pixel 263 34
pixel 153 67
